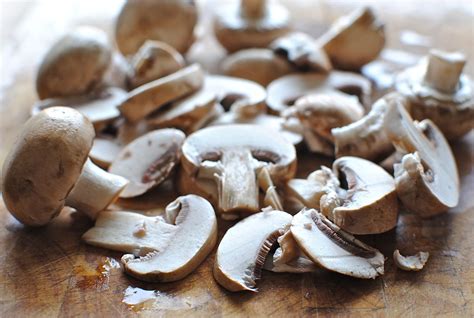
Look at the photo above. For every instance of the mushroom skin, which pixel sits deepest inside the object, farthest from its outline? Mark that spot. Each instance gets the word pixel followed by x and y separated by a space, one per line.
pixel 75 64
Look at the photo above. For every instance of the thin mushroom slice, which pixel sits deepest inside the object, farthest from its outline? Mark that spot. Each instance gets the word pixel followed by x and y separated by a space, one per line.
pixel 148 160
pixel 334 249
pixel 104 151
pixel 194 237
pixel 272 198
pixel 243 249
pixel 413 263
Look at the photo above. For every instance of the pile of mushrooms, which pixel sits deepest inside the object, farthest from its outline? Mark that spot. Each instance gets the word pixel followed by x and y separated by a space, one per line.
pixel 112 125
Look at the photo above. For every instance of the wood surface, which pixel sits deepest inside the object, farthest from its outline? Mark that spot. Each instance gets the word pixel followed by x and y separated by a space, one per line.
pixel 49 272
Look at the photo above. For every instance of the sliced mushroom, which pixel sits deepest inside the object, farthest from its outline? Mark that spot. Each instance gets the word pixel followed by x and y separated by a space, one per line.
pixel 149 97
pixel 193 236
pixel 410 263
pixel 334 249
pixel 250 24
pixel 354 40
pixel 427 179
pixel 437 90
pixel 243 249
pixel 230 155
pixel 171 22
pixel 48 168
pixel 104 151
pixel 148 160
pixel 272 198
pixel 75 64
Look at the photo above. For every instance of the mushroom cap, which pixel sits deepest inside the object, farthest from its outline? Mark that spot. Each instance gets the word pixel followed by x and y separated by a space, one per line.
pixel 169 21
pixel 45 163
pixel 75 64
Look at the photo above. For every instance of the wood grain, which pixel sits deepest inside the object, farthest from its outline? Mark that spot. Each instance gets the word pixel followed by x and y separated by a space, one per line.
pixel 49 272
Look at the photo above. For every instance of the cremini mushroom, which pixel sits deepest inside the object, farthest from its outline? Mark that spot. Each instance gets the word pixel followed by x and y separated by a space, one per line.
pixel 148 160
pixel 244 247
pixel 230 156
pixel 250 23
pixel 354 40
pixel 48 168
pixel 75 64
pixel 413 263
pixel 437 89
pixel 168 21
pixel 334 249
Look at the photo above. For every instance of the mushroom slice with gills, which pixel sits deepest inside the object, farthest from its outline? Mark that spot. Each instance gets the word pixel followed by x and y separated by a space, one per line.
pixel 334 249
pixel 259 65
pixel 413 263
pixel 148 160
pixel 250 24
pixel 193 238
pixel 302 51
pixel 149 97
pixel 230 156
pixel 171 22
pixel 244 247
pixel 436 89
pixel 154 60
pixel 427 179
pixel 354 40
pixel 48 168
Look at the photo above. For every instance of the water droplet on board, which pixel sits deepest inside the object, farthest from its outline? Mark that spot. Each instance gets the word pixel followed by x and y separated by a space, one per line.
pixel 88 277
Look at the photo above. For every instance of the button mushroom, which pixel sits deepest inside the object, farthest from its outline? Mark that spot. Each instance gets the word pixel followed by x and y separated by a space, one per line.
pixel 48 168
pixel 410 263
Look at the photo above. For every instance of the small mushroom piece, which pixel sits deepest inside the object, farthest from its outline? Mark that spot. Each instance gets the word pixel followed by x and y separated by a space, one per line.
pixel 167 21
pixel 104 151
pixel 272 198
pixel 148 160
pixel 334 249
pixel 230 156
pixel 154 60
pixel 192 238
pixel 75 64
pixel 244 247
pixel 250 24
pixel 48 168
pixel 437 89
pixel 427 179
pixel 147 98
pixel 259 65
pixel 354 40
pixel 413 263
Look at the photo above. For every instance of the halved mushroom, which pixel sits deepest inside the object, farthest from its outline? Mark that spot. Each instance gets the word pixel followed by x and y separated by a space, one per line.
pixel 427 179
pixel 171 22
pixel 48 168
pixel 410 263
pixel 250 24
pixel 147 98
pixel 230 155
pixel 75 64
pixel 354 40
pixel 437 90
pixel 244 247
pixel 190 237
pixel 148 160
pixel 334 249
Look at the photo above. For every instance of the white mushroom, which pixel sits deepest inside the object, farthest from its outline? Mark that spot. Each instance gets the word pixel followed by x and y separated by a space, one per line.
pixel 410 263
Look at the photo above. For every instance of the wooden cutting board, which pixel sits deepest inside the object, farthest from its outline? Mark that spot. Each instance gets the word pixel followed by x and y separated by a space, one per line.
pixel 50 272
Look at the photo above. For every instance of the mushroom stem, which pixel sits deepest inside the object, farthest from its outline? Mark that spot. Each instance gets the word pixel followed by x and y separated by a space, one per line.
pixel 444 70
pixel 253 8
pixel 95 190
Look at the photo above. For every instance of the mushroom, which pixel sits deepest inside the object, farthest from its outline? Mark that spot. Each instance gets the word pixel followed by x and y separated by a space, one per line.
pixel 354 40
pixel 147 98
pixel 230 155
pixel 250 24
pixel 272 198
pixel 148 160
pixel 244 247
pixel 334 249
pixel 75 64
pixel 48 168
pixel 258 65
pixel 182 245
pixel 104 151
pixel 427 179
pixel 154 60
pixel 437 89
pixel 410 263
pixel 171 22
